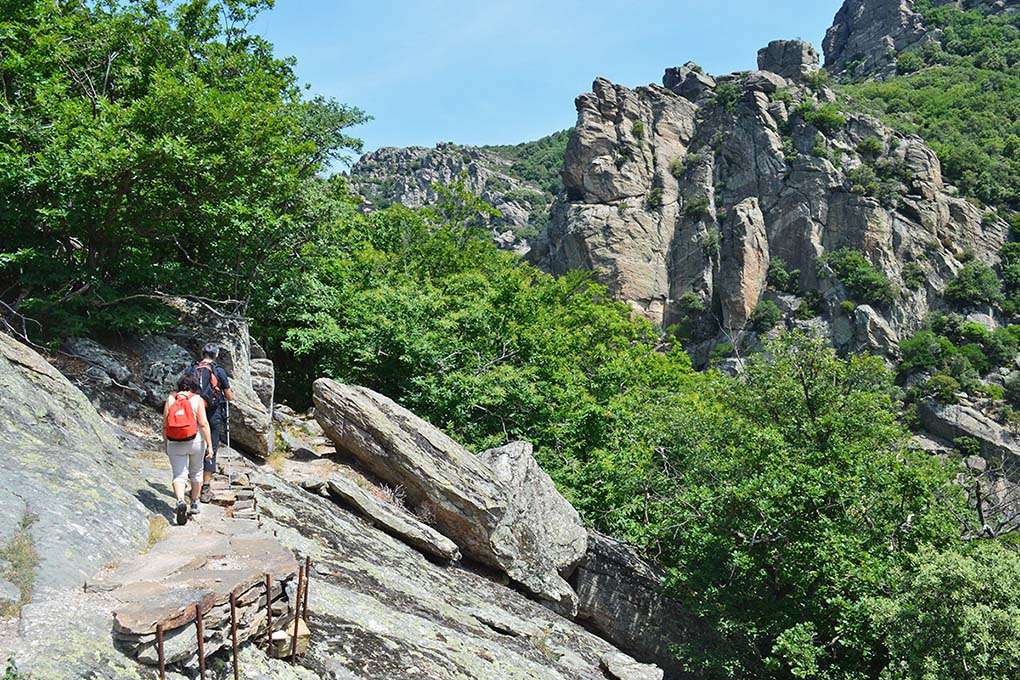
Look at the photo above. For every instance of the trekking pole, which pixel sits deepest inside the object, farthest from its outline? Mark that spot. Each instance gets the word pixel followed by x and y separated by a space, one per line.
pixel 228 422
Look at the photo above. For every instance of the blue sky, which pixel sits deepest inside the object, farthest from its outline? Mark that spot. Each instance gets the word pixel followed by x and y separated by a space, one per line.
pixel 476 72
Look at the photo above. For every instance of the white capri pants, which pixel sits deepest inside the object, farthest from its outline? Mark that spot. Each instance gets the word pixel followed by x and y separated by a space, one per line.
pixel 186 459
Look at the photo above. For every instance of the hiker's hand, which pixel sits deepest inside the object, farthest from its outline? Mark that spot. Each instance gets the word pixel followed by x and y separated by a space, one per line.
pixel 208 453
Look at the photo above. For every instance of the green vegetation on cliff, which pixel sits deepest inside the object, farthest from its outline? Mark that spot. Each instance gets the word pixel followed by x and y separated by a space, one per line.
pixel 539 161
pixel 960 94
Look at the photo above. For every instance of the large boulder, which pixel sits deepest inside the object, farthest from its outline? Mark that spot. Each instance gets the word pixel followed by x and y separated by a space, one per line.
pixel 470 503
pixel 65 478
pixel 620 596
pixel 538 516
pixel 792 59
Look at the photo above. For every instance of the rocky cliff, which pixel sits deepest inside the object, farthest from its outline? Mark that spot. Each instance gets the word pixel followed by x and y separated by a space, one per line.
pixel 697 200
pixel 519 181
pixel 866 35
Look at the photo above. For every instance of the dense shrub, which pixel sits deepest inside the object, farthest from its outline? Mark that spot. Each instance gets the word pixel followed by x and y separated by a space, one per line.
pixel 765 316
pixel 975 284
pixel 862 280
pixel 925 350
pixel 913 275
pixel 697 208
pixel 781 279
pixel 826 118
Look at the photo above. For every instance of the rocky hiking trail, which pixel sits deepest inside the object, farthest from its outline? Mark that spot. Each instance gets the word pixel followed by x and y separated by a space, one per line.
pixel 426 560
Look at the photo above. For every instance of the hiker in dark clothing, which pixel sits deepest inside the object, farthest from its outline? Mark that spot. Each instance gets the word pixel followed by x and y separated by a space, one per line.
pixel 215 389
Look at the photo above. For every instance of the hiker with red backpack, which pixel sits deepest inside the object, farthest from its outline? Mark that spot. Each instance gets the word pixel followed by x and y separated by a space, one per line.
pixel 187 440
pixel 214 386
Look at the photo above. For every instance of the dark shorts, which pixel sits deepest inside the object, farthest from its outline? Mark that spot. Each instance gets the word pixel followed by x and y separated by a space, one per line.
pixel 215 427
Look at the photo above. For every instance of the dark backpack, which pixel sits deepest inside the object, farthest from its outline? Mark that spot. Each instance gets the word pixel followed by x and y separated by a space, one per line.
pixel 208 385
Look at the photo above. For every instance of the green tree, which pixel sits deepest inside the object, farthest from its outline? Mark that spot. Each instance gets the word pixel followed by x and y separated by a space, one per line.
pixel 955 614
pixel 149 147
pixel 975 284
pixel 797 503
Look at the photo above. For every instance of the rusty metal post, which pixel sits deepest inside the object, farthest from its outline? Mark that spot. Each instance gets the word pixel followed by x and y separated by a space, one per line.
pixel 159 648
pixel 233 630
pixel 308 578
pixel 201 641
pixel 269 615
pixel 297 613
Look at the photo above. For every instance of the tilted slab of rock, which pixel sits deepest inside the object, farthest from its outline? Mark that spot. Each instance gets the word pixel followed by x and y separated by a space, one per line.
pixel 864 32
pixel 538 516
pixel 620 595
pixel 393 521
pixel 470 503
pixel 949 421
pixel 63 472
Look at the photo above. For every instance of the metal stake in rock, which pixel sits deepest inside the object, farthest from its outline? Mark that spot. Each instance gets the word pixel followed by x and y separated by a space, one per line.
pixel 233 630
pixel 308 577
pixel 159 647
pixel 201 641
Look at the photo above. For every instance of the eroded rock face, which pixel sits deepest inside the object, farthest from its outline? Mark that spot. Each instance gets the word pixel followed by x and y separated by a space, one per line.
pixel 697 188
pixel 471 504
pixel 63 473
pixel 620 595
pixel 865 31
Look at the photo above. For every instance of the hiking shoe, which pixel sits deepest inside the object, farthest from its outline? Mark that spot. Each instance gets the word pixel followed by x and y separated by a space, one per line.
pixel 206 494
pixel 182 513
pixel 194 508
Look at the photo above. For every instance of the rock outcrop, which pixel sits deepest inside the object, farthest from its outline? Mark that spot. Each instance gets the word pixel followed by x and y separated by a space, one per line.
pixel 620 596
pixel 66 481
pixel 997 443
pixel 791 59
pixel 408 176
pixel 392 520
pixel 537 516
pixel 682 197
pixel 162 359
pixel 477 507
pixel 866 35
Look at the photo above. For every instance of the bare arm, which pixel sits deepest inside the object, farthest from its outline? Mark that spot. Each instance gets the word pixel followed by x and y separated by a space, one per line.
pixel 203 425
pixel 166 411
pixel 229 393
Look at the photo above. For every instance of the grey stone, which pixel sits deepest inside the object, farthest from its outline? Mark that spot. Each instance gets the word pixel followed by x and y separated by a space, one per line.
pixel 392 520
pixel 540 518
pixel 164 361
pixel 688 81
pixel 865 31
pixel 949 421
pixel 94 354
pixel 55 453
pixel 792 59
pixel 470 503
pixel 620 596
pixel 765 81
pixel 621 667
pixel 263 380
pixel 10 594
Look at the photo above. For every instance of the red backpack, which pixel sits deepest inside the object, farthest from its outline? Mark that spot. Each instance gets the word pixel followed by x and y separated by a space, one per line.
pixel 181 423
